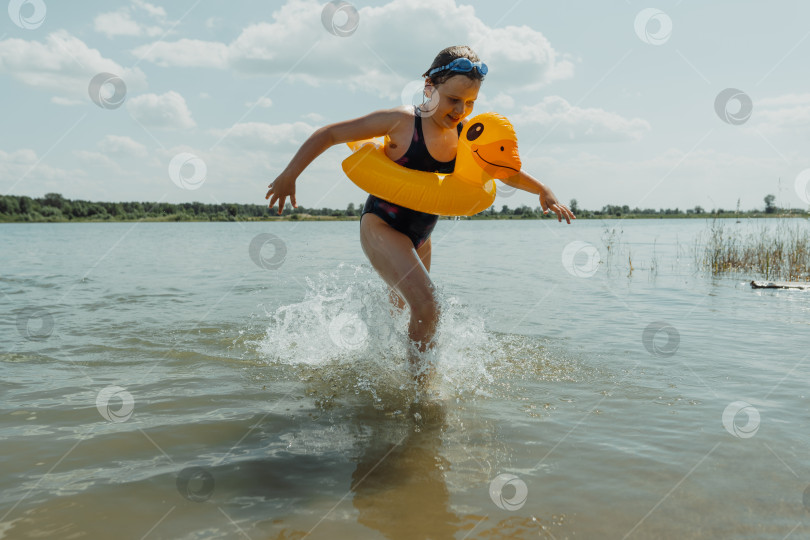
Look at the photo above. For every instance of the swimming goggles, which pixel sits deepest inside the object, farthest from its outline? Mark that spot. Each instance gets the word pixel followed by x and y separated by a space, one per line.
pixel 462 65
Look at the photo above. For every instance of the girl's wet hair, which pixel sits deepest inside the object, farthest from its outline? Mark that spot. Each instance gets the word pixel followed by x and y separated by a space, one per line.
pixel 448 55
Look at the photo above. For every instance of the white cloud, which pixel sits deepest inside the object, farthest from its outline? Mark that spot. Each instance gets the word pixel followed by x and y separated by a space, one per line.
pixel 500 102
pixel 296 42
pixel 259 135
pixel 784 101
pixel 57 100
pixel 155 11
pixel 673 178
pixel 263 102
pixel 116 23
pixel 62 64
pixel 23 157
pixel 185 53
pixel 23 172
pixel 121 23
pixel 575 124
pixel 167 111
pixel 97 161
pixel 122 146
pixel 315 117
pixel 787 114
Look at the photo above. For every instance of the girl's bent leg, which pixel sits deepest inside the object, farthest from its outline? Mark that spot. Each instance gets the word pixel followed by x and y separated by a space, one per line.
pixel 424 253
pixel 391 253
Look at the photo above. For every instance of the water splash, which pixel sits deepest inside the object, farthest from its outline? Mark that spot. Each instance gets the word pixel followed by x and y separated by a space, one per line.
pixel 345 337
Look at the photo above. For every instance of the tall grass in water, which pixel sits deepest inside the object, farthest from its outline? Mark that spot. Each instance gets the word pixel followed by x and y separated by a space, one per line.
pixel 780 252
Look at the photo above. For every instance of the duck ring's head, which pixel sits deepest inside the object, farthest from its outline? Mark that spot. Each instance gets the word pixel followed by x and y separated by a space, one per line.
pixel 492 143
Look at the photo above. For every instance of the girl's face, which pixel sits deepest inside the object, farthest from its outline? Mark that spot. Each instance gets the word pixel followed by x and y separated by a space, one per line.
pixel 452 101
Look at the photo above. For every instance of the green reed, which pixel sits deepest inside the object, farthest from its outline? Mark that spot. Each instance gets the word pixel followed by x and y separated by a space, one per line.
pixel 775 253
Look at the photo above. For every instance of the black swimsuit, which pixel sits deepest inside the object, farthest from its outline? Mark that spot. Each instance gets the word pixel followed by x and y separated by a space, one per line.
pixel 414 224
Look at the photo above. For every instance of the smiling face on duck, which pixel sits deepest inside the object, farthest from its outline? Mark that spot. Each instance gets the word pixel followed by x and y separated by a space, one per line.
pixel 491 142
pixel 451 101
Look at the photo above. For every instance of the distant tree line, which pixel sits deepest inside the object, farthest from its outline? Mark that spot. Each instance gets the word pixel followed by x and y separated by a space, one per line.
pixel 611 211
pixel 53 208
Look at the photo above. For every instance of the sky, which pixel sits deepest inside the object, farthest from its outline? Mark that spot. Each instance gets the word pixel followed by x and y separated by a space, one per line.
pixel 674 104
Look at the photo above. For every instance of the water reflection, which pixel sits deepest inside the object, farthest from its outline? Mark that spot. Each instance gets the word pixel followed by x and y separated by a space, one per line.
pixel 399 486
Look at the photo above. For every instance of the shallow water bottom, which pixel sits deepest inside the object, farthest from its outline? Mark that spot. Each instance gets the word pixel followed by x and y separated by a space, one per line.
pixel 278 405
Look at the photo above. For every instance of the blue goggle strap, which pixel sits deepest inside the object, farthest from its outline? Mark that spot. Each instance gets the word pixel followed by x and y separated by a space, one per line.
pixel 454 65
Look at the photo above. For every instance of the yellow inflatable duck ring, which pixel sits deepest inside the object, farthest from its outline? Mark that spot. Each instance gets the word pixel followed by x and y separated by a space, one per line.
pixel 487 149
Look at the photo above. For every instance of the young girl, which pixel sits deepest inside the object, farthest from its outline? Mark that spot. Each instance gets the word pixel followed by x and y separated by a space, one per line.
pixel 396 239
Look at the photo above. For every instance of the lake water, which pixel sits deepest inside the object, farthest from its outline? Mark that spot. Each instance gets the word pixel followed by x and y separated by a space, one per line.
pixel 248 380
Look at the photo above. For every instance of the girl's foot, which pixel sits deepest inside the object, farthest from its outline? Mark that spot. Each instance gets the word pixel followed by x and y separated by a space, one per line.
pixel 422 366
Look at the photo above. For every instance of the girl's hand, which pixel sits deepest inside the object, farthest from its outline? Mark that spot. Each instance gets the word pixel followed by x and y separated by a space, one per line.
pixel 549 201
pixel 281 188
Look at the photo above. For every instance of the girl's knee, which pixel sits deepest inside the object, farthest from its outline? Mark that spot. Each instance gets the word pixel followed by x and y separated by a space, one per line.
pixel 427 309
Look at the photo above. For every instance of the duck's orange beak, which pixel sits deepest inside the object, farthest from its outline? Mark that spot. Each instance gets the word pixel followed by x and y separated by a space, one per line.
pixel 499 159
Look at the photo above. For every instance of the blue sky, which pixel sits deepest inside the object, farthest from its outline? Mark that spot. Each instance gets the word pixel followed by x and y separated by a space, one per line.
pixel 613 102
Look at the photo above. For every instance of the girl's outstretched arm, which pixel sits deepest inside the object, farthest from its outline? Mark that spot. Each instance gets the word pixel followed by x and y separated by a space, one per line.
pixel 548 201
pixel 376 124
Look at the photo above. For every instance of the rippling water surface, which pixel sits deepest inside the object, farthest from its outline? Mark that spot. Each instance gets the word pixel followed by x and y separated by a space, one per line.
pixel 229 380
